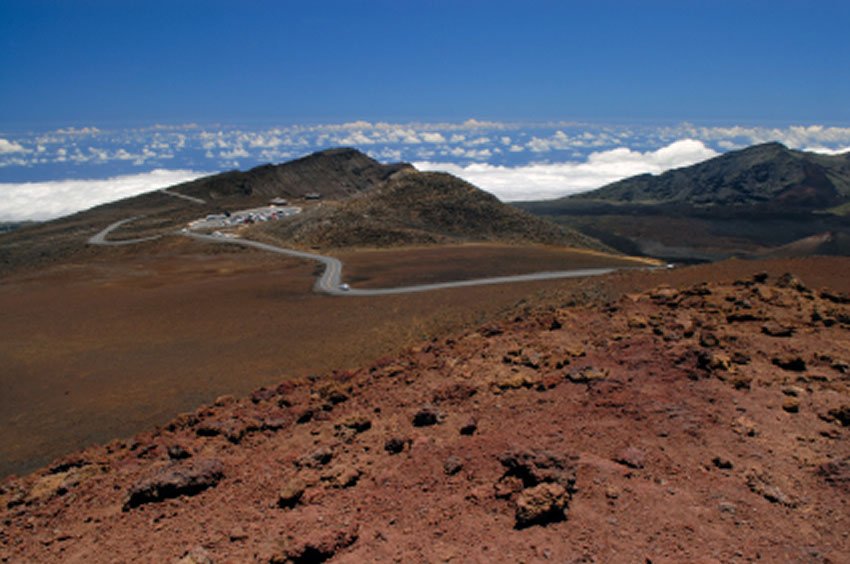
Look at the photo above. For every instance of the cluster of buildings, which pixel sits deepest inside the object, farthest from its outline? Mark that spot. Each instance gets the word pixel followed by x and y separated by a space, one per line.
pixel 244 217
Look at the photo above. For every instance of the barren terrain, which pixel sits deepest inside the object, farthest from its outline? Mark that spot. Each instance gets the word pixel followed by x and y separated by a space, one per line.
pixel 686 414
pixel 380 268
pixel 685 421
pixel 125 338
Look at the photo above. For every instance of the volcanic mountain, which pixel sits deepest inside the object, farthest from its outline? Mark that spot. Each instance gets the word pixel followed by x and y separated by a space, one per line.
pixel 744 202
pixel 415 208
pixel 333 173
pixel 768 177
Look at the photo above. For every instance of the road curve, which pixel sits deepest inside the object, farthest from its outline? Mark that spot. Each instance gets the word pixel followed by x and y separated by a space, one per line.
pixel 329 281
pixel 99 238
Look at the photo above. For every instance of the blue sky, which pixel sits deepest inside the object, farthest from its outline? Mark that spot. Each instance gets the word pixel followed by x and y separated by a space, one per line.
pixel 527 99
pixel 114 62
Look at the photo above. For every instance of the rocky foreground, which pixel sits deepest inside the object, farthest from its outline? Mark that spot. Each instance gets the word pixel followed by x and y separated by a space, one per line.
pixel 706 424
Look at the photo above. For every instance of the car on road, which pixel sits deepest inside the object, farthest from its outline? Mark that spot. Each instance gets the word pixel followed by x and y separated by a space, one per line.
pixel 344 287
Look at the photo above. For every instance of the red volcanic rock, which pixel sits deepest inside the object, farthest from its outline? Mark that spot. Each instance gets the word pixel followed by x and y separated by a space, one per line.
pixel 840 415
pixel 426 416
pixel 683 438
pixel 172 481
pixel 395 445
pixel 534 467
pixel 836 473
pixel 291 492
pixel 790 362
pixel 318 546
pixel 631 457
pixel 540 505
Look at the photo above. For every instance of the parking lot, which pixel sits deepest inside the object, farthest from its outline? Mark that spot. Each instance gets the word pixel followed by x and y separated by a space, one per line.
pixel 244 217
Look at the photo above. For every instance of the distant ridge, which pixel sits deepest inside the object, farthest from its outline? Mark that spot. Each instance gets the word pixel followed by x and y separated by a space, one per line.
pixel 768 178
pixel 744 203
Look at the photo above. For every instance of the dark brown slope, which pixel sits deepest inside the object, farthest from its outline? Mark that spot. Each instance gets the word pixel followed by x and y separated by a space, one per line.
pixel 671 425
pixel 824 244
pixel 768 177
pixel 414 208
pixel 333 173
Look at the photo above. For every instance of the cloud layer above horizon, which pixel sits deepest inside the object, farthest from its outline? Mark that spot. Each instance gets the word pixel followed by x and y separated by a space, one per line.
pixel 38 201
pixel 548 181
pixel 44 174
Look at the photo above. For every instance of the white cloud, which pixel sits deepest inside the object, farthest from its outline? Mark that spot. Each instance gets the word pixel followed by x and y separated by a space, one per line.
pixel 478 141
pixel 7 147
pixel 827 151
pixel 546 181
pixel 78 131
pixel 433 137
pixel 237 152
pixel 354 138
pixel 173 127
pixel 473 123
pixel 729 145
pixel 393 155
pixel 48 200
pixel 795 136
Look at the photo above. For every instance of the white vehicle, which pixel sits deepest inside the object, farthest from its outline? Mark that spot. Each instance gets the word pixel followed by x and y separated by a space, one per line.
pixel 344 287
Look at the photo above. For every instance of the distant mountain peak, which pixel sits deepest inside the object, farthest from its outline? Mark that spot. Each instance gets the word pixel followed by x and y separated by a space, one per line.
pixel 336 153
pixel 767 177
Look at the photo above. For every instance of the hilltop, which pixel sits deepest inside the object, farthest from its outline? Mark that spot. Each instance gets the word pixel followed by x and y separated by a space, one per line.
pixel 416 208
pixel 746 203
pixel 332 173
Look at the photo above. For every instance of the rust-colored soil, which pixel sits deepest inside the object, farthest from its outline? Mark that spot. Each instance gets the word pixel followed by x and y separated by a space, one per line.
pixel 378 268
pixel 108 346
pixel 706 423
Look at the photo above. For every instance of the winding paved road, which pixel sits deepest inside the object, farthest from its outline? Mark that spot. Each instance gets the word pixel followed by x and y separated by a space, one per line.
pixel 99 238
pixel 330 280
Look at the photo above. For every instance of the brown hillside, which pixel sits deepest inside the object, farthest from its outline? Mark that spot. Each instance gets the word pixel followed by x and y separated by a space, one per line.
pixel 414 208
pixel 333 173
